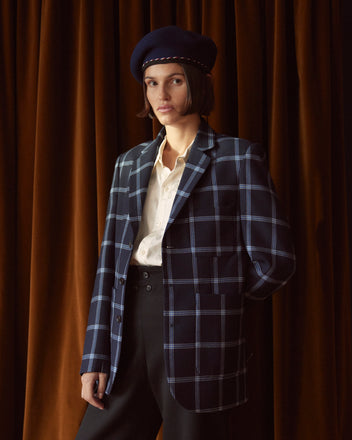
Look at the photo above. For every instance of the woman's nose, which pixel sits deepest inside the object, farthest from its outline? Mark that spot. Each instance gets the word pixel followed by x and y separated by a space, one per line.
pixel 163 93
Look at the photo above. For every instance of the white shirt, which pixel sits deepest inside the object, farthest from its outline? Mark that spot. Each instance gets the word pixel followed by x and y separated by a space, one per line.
pixel 160 196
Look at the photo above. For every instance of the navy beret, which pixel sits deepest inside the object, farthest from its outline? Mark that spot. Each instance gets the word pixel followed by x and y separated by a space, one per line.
pixel 172 44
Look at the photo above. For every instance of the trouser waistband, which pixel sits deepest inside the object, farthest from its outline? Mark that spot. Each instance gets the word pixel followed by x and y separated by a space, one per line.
pixel 147 276
pixel 140 271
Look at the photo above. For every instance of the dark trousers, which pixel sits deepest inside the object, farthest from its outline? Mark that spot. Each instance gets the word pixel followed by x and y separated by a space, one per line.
pixel 140 400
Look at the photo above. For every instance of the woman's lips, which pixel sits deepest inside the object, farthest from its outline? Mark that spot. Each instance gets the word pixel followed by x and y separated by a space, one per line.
pixel 165 108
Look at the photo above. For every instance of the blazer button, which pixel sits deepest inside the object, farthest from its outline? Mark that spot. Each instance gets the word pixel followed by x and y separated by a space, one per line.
pixel 118 318
pixel 148 288
pixel 122 281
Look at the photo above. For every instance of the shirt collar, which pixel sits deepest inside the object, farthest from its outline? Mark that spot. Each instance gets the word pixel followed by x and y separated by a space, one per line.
pixel 159 157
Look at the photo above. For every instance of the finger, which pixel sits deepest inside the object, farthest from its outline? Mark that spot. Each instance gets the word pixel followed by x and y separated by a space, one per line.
pixel 102 385
pixel 97 403
pixel 92 400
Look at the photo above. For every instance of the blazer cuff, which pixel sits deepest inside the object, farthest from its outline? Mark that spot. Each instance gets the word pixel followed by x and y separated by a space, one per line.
pixel 95 366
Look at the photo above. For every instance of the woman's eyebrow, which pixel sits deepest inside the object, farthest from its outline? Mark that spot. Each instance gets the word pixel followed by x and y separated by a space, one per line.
pixel 168 76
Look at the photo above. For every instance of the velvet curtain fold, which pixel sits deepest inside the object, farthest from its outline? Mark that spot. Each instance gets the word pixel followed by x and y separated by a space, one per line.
pixel 68 106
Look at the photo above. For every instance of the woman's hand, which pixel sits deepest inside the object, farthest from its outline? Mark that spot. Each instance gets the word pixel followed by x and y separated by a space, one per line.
pixel 93 388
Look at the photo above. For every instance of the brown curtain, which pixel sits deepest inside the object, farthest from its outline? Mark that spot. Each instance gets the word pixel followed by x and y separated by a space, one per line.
pixel 68 105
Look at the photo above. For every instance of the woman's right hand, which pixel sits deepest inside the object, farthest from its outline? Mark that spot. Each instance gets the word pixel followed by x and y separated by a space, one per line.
pixel 93 388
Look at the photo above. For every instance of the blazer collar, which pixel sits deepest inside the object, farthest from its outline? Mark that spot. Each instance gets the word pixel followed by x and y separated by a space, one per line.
pixel 205 139
pixel 198 160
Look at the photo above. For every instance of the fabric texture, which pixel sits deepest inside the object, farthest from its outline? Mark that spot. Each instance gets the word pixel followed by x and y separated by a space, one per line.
pixel 226 238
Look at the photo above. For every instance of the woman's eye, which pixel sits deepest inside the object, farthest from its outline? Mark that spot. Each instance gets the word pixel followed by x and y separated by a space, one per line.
pixel 151 83
pixel 177 81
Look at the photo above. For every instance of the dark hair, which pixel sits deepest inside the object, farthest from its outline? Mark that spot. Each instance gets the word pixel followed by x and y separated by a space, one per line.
pixel 200 93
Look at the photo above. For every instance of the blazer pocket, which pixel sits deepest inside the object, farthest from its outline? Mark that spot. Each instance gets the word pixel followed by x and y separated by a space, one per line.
pixel 221 345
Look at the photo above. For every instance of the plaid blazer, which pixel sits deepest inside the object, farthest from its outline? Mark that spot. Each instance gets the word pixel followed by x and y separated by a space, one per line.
pixel 226 239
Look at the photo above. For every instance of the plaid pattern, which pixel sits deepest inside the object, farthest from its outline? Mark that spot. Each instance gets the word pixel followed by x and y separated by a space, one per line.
pixel 226 239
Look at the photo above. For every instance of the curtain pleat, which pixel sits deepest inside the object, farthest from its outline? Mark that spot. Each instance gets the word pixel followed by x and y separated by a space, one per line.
pixel 8 213
pixel 68 108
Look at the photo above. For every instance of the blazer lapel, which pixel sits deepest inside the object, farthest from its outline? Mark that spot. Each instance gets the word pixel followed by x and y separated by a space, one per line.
pixel 139 180
pixel 198 161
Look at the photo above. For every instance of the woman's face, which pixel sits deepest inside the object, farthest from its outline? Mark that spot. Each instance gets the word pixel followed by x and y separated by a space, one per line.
pixel 167 92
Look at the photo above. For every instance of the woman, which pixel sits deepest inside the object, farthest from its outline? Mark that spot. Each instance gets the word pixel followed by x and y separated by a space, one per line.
pixel 193 228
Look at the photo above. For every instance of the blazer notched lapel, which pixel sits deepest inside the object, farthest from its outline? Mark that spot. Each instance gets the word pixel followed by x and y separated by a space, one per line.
pixel 198 161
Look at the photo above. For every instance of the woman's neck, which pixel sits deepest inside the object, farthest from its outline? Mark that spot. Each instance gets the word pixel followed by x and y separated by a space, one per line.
pixel 180 136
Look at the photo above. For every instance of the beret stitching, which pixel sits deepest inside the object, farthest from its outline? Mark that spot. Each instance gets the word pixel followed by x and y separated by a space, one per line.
pixel 167 59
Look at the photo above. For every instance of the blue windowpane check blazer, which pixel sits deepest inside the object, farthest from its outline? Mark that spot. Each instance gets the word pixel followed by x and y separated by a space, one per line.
pixel 226 239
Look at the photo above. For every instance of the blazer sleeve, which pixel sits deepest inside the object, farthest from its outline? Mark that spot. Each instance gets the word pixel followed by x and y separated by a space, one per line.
pixel 265 230
pixel 96 353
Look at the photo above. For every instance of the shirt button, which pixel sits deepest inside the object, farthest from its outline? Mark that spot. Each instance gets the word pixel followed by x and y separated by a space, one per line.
pixel 121 281
pixel 118 318
pixel 143 252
